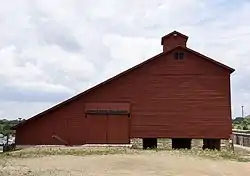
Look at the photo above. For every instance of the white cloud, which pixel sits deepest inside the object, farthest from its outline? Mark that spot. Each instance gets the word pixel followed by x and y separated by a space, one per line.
pixel 129 57
pixel 30 108
pixel 50 50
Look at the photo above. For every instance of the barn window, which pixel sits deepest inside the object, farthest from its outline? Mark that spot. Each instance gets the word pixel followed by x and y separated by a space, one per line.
pixel 178 55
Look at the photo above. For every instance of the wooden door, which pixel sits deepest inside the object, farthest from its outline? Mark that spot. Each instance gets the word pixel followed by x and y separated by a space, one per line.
pixel 118 129
pixel 107 129
pixel 96 129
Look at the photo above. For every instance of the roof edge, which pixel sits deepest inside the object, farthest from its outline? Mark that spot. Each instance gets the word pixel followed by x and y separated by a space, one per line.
pixel 210 59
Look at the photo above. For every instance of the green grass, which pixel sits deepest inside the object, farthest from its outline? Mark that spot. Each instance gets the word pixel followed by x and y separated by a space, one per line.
pixel 45 151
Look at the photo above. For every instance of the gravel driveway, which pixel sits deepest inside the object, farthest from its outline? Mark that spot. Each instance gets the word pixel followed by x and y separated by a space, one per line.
pixel 144 164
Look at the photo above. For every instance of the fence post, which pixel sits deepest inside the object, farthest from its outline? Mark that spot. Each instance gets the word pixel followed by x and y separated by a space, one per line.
pixel 231 141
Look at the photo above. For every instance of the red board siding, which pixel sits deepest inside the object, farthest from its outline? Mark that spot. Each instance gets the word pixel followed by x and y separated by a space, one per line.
pixel 187 98
pixel 67 123
pixel 172 41
pixel 108 105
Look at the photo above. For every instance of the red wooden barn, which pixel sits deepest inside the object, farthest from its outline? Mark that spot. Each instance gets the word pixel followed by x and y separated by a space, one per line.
pixel 178 94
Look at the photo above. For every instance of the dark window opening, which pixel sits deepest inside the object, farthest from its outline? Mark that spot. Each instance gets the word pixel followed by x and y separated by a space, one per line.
pixel 178 55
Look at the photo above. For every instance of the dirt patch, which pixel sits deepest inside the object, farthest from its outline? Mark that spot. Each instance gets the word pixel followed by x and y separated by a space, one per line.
pixel 144 163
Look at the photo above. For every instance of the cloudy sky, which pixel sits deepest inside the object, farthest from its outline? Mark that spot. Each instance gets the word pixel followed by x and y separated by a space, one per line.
pixel 52 50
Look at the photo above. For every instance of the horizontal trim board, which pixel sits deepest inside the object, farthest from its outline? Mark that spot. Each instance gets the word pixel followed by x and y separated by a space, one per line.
pixel 107 112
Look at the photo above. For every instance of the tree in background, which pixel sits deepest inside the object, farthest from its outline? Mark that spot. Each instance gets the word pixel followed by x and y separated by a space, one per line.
pixel 241 123
pixel 6 125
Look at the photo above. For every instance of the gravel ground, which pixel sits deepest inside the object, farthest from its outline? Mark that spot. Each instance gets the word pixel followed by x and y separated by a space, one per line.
pixel 144 164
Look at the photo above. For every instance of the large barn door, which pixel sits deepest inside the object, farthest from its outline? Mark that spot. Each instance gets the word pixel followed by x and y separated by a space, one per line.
pixel 107 123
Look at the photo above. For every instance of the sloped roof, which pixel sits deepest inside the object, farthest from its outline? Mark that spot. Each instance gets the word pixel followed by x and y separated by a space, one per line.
pixel 121 74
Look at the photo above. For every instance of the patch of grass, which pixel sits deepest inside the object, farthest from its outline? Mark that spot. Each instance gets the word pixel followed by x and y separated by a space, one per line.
pixel 39 152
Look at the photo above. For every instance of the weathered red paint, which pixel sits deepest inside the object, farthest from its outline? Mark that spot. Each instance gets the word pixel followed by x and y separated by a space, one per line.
pixel 169 98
